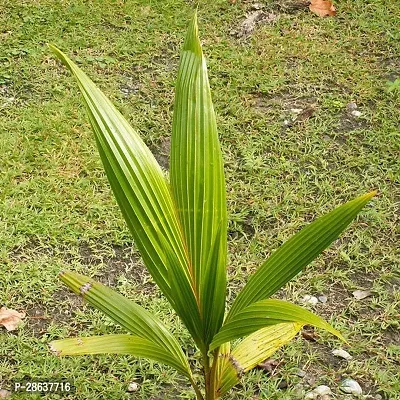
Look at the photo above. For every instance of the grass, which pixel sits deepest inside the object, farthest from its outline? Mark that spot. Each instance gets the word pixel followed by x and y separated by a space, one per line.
pixel 56 210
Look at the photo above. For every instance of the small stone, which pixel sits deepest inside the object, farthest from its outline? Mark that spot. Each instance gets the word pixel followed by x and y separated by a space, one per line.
pixel 342 354
pixel 133 387
pixel 356 113
pixel 283 384
pixel 296 110
pixel 312 300
pixel 361 294
pixel 5 394
pixel 350 386
pixel 378 397
pixel 300 373
pixel 322 299
pixel 256 6
pixel 310 380
pixel 322 390
pixel 310 396
pixel 351 106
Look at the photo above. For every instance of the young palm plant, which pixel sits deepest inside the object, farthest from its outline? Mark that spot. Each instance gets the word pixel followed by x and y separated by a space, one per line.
pixel 180 228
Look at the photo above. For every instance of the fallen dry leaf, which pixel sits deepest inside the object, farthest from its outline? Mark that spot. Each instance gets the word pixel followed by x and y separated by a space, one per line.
pixel 308 333
pixel 10 319
pixel 323 8
pixel 270 366
pixel 305 114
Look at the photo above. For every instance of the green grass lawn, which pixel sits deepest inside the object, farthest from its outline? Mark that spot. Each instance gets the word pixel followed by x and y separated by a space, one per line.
pixel 283 169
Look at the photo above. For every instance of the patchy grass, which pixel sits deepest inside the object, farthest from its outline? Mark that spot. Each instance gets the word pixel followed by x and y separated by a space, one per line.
pixel 283 166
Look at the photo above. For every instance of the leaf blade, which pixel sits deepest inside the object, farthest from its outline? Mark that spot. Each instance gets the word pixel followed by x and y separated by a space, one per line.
pixel 257 347
pixel 266 313
pixel 141 190
pixel 197 181
pixel 263 343
pixel 287 261
pixel 114 344
pixel 128 314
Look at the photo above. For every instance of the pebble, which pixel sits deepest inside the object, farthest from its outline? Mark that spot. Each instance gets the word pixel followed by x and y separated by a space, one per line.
pixel 133 387
pixel 352 110
pixel 257 6
pixel 323 299
pixel 5 394
pixel 361 294
pixel 350 386
pixel 283 384
pixel 300 373
pixel 351 106
pixel 310 300
pixel 342 354
pixel 321 392
pixel 310 396
pixel 296 110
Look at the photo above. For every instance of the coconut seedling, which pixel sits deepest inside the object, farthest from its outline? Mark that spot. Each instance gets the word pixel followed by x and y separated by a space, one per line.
pixel 179 226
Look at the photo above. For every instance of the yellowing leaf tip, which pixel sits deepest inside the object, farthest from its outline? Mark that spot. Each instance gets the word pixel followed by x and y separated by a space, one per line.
pixel 340 336
pixel 372 194
pixel 192 41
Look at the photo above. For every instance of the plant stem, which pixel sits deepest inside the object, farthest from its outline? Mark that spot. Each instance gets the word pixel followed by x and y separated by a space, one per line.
pixel 199 395
pixel 206 364
pixel 210 376
pixel 213 372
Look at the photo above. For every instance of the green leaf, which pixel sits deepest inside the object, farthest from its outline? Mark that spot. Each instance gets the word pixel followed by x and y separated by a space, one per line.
pixel 143 195
pixel 129 315
pixel 115 344
pixel 296 253
pixel 257 347
pixel 265 313
pixel 198 183
pixel 183 297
